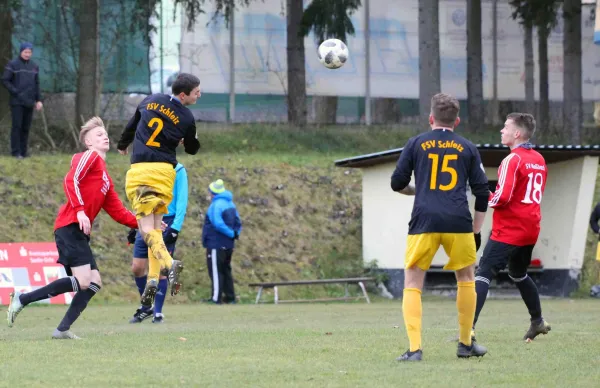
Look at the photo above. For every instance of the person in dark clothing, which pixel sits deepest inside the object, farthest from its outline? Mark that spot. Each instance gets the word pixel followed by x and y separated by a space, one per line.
pixel 21 78
pixel 222 226
pixel 594 224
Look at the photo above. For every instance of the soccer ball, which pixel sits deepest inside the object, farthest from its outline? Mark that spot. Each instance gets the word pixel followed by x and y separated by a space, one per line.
pixel 333 53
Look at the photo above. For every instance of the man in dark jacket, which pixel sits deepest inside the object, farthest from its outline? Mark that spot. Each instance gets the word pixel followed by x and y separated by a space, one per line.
pixel 21 78
pixel 222 226
pixel 594 219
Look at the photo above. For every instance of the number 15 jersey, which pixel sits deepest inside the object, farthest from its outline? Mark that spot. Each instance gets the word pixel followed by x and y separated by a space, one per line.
pixel 159 124
pixel 443 163
pixel 516 201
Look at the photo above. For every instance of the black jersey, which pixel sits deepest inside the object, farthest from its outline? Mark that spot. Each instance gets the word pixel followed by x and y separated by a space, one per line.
pixel 159 124
pixel 443 162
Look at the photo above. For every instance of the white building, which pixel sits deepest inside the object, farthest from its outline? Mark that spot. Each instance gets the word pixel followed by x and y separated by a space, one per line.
pixel 566 206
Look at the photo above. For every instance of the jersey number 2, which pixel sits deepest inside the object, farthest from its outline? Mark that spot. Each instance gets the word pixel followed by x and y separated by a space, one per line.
pixel 536 181
pixel 435 160
pixel 159 127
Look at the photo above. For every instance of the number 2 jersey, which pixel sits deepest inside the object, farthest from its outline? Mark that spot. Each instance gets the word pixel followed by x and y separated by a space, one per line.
pixel 443 164
pixel 159 124
pixel 516 201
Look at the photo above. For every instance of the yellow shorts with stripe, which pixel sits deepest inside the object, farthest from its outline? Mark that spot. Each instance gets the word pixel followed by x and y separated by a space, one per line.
pixel 460 248
pixel 149 188
pixel 598 252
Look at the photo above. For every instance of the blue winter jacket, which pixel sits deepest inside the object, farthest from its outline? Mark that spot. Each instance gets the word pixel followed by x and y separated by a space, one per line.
pixel 221 223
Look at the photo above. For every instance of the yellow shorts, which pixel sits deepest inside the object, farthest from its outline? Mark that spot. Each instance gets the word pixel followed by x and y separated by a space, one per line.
pixel 149 188
pixel 598 252
pixel 460 248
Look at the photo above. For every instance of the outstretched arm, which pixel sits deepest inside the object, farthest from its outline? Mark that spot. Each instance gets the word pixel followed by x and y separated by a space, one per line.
pixel 117 211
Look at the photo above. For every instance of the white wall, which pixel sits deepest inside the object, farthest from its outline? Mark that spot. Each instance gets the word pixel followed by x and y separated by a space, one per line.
pixel 261 64
pixel 566 207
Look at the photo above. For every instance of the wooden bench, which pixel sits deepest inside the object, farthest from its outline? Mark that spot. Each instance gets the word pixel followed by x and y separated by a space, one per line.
pixel 274 285
pixel 437 270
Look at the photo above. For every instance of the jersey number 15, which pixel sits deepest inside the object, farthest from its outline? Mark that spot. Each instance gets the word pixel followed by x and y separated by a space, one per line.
pixel 435 161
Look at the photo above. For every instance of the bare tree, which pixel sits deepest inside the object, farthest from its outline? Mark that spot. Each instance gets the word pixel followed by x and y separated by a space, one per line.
pixel 529 69
pixel 88 75
pixel 429 55
pixel 296 64
pixel 541 14
pixel 474 66
pixel 328 19
pixel 572 81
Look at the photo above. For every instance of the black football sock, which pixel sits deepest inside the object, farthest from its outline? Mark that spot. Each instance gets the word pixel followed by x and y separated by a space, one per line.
pixel 57 287
pixel 530 295
pixel 482 285
pixel 78 304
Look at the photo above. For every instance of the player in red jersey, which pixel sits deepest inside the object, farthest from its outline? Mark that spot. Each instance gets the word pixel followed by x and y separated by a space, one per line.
pixel 88 189
pixel 516 221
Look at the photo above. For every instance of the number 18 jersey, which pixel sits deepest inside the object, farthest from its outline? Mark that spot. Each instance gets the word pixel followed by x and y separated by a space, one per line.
pixel 516 201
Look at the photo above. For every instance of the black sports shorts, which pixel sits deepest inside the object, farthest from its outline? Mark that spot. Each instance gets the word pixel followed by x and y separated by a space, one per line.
pixel 73 248
pixel 497 255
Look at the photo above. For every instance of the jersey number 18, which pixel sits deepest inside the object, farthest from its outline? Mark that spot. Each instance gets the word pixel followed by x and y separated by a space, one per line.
pixel 536 181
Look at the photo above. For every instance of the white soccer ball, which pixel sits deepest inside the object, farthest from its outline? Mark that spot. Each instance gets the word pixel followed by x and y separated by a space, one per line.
pixel 333 53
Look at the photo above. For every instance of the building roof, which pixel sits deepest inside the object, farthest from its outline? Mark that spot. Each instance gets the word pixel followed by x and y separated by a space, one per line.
pixel 491 155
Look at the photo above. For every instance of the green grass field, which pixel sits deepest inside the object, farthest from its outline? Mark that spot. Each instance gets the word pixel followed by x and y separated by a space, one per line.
pixel 317 345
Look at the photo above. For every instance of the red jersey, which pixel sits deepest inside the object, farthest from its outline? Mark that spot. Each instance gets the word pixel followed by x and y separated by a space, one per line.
pixel 89 188
pixel 516 201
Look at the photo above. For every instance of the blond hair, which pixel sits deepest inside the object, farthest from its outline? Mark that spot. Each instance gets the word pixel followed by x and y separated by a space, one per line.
pixel 444 109
pixel 89 125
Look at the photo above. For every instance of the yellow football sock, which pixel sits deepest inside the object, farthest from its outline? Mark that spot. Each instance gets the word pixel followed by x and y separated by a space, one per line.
pixel 466 301
pixel 155 243
pixel 412 312
pixel 153 266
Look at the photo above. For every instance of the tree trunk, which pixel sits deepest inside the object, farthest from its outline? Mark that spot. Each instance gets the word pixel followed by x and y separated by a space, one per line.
pixel 386 111
pixel 572 88
pixel 6 29
pixel 88 72
pixel 543 117
pixel 474 66
pixel 429 56
pixel 529 71
pixel 296 72
pixel 325 108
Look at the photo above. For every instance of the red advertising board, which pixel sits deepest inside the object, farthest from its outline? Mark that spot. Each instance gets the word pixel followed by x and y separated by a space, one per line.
pixel 27 266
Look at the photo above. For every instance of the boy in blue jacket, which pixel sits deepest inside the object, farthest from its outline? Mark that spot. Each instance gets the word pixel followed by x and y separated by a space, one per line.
pixel 222 226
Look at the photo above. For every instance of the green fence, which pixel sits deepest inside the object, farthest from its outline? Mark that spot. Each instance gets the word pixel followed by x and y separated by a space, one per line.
pixel 52 27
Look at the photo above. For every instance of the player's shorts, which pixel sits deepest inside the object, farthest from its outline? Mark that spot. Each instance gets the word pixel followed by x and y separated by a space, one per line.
pixel 73 248
pixel 140 249
pixel 497 255
pixel 598 252
pixel 421 248
pixel 149 188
